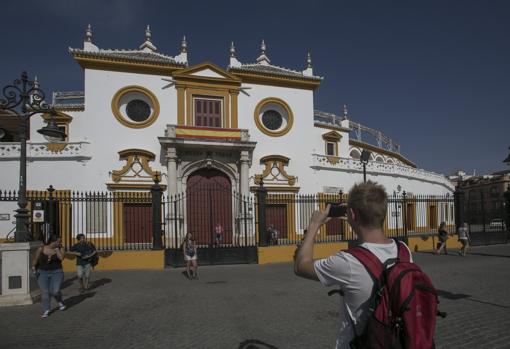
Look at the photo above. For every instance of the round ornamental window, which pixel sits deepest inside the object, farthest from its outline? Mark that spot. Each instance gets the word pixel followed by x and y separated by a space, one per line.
pixel 138 110
pixel 135 107
pixel 272 120
pixel 273 117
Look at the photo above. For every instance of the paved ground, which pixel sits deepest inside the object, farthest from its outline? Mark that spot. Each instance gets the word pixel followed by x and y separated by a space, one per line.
pixel 231 306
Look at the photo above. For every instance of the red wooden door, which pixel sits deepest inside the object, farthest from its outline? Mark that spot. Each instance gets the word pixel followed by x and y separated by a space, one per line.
pixel 207 112
pixel 137 222
pixel 276 215
pixel 208 204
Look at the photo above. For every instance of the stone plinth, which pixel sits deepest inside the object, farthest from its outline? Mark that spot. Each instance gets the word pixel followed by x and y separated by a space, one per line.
pixel 19 286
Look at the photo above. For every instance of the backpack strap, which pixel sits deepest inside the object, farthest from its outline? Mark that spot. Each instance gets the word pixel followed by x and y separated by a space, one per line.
pixel 403 252
pixel 371 263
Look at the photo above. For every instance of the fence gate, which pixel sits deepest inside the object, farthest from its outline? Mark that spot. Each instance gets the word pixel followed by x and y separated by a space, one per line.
pixel 485 216
pixel 220 220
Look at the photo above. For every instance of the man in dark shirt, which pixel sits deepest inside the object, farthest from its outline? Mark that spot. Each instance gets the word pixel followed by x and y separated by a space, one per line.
pixel 83 251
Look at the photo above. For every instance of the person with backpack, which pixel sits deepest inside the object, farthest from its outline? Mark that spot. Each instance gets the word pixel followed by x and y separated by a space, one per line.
pixel 387 301
pixel 86 258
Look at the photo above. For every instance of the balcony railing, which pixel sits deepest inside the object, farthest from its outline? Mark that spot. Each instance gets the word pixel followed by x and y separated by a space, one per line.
pixel 39 151
pixel 331 162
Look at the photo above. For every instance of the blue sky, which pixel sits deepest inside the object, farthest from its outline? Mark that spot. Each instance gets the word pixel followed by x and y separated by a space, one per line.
pixel 432 75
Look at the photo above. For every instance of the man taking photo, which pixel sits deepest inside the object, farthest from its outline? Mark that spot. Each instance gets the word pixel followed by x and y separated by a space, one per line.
pixel 366 212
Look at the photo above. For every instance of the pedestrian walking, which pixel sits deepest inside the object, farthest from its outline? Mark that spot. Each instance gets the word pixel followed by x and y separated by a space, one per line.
pixel 84 251
pixel 189 249
pixel 47 266
pixel 463 232
pixel 366 211
pixel 442 235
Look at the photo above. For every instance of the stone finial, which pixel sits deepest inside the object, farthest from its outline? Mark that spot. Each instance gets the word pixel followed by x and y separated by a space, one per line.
pixel 36 82
pixel 183 56
pixel 263 59
pixel 184 45
pixel 309 70
pixel 233 60
pixel 344 111
pixel 232 50
pixel 148 33
pixel 87 41
pixel 147 46
pixel 88 34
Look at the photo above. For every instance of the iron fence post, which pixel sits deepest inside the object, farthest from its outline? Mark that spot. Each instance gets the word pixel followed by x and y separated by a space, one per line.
pixel 457 208
pixel 51 213
pixel 507 211
pixel 156 192
pixel 404 214
pixel 482 206
pixel 261 208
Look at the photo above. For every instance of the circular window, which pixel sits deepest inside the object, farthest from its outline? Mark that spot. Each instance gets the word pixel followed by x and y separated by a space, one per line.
pixel 135 107
pixel 137 110
pixel 273 117
pixel 272 120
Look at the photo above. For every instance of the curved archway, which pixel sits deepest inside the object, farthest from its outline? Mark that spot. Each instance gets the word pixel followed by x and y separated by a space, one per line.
pixel 209 204
pixel 355 154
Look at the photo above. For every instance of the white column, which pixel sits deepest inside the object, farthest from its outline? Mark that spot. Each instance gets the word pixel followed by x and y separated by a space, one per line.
pixel 244 175
pixel 171 158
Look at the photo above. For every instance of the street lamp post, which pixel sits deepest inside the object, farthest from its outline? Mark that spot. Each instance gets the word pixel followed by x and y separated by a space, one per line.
pixel 24 99
pixel 364 157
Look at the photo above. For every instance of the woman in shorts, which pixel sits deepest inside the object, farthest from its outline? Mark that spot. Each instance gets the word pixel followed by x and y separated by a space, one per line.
pixel 189 249
pixel 463 238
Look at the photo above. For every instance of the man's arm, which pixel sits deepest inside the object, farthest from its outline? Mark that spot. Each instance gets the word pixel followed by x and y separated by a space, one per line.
pixel 303 262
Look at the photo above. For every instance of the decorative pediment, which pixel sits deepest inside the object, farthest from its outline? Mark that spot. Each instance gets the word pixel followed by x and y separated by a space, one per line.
pixel 274 173
pixel 136 173
pixel 206 71
pixel 332 136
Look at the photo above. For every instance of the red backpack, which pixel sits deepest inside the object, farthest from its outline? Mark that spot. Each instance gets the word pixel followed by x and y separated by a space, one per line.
pixel 404 303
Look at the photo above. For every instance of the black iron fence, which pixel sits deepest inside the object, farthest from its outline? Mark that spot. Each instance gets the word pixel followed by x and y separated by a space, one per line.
pixel 488 216
pixel 224 221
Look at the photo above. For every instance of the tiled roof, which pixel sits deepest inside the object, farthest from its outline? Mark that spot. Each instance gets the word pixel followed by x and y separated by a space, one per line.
pixel 273 70
pixel 128 55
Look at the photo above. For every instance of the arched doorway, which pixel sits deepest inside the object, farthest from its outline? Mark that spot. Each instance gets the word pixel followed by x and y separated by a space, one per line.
pixel 208 204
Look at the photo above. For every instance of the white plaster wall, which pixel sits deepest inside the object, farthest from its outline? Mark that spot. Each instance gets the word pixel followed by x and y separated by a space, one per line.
pixel 107 136
pixel 297 142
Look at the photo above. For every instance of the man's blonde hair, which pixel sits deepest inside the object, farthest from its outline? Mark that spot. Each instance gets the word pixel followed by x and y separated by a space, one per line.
pixel 369 203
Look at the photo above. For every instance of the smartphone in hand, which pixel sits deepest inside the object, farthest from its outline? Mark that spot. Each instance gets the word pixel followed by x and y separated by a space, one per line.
pixel 337 210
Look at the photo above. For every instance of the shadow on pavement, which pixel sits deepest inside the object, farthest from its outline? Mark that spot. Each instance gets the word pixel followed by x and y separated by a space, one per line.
pixel 74 300
pixel 456 296
pixel 68 282
pixel 488 254
pixel 255 344
pixel 99 283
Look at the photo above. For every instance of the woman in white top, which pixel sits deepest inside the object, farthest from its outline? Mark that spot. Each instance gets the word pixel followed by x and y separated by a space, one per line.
pixel 463 238
pixel 189 249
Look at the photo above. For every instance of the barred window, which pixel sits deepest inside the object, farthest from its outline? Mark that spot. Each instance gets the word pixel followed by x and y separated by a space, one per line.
pixel 96 215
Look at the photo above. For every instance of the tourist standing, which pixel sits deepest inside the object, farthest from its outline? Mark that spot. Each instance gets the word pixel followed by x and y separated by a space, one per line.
pixel 366 211
pixel 189 249
pixel 47 266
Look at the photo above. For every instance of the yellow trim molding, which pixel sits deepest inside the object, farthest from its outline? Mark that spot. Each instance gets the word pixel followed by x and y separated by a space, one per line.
pixel 136 173
pixel 254 78
pixel 277 162
pixel 129 123
pixel 117 64
pixel 284 105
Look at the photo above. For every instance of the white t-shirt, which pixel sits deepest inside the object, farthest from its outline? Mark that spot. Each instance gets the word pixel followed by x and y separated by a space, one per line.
pixel 462 233
pixel 344 270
